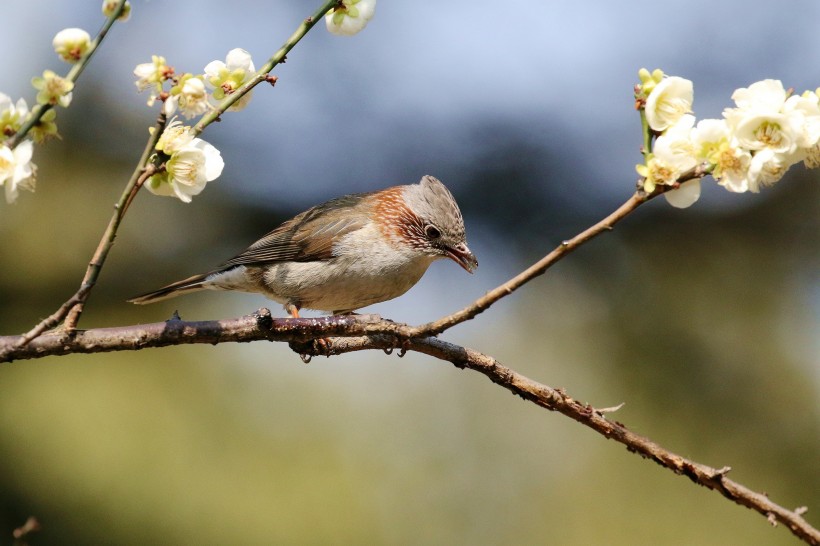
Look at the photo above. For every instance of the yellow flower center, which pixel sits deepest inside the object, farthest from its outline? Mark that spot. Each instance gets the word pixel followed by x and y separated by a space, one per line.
pixel 769 134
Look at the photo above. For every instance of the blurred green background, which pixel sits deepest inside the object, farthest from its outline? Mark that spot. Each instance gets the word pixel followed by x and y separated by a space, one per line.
pixel 704 321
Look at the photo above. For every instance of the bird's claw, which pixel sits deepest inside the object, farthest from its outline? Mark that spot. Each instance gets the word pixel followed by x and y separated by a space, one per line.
pixel 403 346
pixel 322 346
pixel 314 347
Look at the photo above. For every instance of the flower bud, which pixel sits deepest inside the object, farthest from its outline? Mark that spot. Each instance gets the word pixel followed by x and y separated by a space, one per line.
pixel 71 44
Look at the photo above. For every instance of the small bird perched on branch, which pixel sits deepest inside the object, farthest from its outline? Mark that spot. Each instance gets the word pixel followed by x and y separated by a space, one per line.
pixel 346 253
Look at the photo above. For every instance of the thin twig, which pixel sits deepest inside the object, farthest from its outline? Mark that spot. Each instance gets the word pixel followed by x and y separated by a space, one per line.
pixel 541 266
pixel 73 307
pixel 32 525
pixel 261 75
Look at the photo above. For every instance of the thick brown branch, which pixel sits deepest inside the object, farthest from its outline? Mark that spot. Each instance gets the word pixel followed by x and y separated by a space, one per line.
pixel 302 332
pixel 256 327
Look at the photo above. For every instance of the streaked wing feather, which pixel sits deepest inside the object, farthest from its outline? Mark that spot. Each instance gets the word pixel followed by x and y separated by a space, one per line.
pixel 307 237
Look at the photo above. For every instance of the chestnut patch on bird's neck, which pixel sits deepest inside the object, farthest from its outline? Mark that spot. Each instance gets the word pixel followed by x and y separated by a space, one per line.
pixel 397 222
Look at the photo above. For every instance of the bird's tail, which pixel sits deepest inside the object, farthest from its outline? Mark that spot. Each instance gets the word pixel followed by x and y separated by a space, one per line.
pixel 191 284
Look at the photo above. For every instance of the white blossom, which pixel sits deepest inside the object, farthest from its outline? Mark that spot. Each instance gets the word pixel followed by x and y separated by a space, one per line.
pixel 188 171
pixel 225 78
pixel 71 44
pixel 676 150
pixel 53 89
pixel 12 115
pixel 676 143
pixel 778 132
pixel 669 100
pixel 189 96
pixel 673 154
pixel 175 137
pixel 152 75
pixel 109 6
pixel 714 144
pixel 760 122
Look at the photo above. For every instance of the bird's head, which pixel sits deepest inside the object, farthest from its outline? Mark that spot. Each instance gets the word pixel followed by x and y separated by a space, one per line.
pixel 427 217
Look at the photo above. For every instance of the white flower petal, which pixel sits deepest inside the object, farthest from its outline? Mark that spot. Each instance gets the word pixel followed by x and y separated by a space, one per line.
pixel 159 185
pixel 24 151
pixel 16 169
pixel 675 147
pixel 685 196
pixel 169 106
pixel 213 161
pixel 239 58
pixel 367 9
pixel 180 192
pixel 766 95
pixel 11 192
pixel 21 108
pixel 807 111
pixel 213 68
pixel 710 131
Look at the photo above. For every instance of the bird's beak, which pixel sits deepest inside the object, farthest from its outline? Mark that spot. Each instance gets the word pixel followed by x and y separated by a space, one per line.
pixel 463 257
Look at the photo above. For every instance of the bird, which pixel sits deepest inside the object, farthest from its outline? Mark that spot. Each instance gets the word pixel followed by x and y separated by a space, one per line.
pixel 347 253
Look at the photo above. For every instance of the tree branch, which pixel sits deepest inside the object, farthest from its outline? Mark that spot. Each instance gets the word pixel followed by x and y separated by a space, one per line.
pixel 256 327
pixel 302 332
pixel 539 268
pixel 557 400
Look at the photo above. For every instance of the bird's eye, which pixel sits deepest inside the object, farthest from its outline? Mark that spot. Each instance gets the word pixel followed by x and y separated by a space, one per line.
pixel 432 231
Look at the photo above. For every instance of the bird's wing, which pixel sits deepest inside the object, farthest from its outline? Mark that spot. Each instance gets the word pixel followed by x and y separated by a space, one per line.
pixel 308 237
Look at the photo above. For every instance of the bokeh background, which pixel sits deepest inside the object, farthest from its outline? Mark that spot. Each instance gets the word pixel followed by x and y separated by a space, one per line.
pixel 703 321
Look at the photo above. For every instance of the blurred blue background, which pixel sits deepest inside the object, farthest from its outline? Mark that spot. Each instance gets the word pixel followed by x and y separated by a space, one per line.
pixel 703 321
